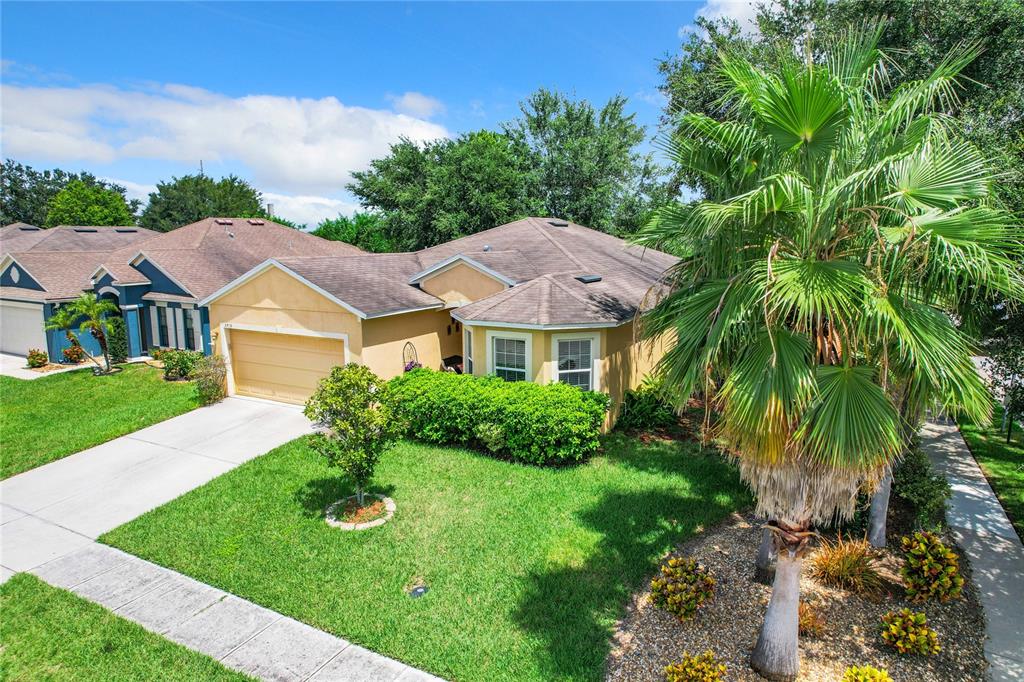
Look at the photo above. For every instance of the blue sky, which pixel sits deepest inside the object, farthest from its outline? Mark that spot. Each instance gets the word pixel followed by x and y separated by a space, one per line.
pixel 295 96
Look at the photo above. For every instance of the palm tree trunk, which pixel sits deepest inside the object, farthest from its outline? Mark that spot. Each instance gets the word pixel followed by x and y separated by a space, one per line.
pixel 359 495
pixel 879 511
pixel 764 568
pixel 776 655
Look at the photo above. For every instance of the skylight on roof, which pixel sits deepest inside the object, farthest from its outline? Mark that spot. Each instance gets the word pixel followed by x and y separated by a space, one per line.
pixel 589 279
pixel 29 228
pixel 126 230
pixel 86 229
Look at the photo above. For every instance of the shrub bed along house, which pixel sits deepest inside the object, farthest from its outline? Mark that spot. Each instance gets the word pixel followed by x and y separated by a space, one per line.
pixel 533 423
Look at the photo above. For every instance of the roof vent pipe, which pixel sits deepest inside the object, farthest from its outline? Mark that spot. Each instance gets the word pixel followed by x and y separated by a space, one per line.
pixel 487 247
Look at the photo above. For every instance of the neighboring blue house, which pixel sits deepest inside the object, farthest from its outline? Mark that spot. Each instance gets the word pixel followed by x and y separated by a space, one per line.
pixel 156 279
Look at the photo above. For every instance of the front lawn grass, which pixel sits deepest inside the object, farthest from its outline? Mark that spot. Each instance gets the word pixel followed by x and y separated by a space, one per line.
pixel 1002 463
pixel 527 567
pixel 51 634
pixel 54 416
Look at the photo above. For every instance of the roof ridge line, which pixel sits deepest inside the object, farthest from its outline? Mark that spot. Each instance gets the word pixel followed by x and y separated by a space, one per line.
pixel 558 246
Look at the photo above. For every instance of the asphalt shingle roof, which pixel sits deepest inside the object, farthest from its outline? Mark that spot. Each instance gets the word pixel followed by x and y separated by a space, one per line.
pixel 62 258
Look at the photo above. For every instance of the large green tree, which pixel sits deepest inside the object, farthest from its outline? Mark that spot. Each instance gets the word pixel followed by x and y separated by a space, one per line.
pixel 26 193
pixel 362 229
pixel 561 157
pixel 584 162
pixel 80 203
pixel 431 193
pixel 189 198
pixel 848 225
pixel 989 99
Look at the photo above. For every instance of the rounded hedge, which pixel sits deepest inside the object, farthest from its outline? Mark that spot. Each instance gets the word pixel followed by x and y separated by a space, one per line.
pixel 534 423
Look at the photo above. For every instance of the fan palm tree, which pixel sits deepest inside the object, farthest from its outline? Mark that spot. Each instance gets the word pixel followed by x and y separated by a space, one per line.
pixel 847 225
pixel 89 311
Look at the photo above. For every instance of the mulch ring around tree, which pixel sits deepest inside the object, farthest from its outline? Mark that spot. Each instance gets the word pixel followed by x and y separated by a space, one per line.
pixel 346 513
pixel 647 639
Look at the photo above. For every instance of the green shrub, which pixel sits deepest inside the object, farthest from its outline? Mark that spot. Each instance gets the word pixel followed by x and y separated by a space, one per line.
pixel 157 353
pixel 117 340
pixel 645 409
pixel 702 668
pixel 682 587
pixel 908 632
pixel 865 673
pixel 208 377
pixel 355 412
pixel 491 436
pixel 848 564
pixel 930 568
pixel 915 482
pixel 541 424
pixel 179 364
pixel 73 353
pixel 37 358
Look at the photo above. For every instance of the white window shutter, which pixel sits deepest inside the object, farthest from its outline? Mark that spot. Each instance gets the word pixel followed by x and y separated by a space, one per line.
pixel 154 326
pixel 197 330
pixel 171 335
pixel 179 318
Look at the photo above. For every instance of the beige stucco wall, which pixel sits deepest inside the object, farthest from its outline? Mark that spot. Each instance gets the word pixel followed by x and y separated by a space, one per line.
pixel 540 350
pixel 622 362
pixel 626 362
pixel 274 299
pixel 384 339
pixel 461 283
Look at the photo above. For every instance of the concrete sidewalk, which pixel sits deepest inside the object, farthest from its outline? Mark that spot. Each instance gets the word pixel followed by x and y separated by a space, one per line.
pixel 64 505
pixel 236 632
pixel 16 366
pixel 997 557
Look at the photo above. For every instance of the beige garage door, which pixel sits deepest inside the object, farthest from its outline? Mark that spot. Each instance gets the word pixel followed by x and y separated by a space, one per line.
pixel 281 367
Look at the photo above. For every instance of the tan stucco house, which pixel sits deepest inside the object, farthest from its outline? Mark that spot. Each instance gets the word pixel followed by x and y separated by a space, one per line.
pixel 537 300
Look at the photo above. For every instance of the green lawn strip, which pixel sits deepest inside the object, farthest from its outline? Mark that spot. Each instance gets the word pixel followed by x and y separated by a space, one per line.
pixel 1002 463
pixel 54 416
pixel 51 634
pixel 527 567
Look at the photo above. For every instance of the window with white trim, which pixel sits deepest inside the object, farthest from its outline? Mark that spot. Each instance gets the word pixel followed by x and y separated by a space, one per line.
pixel 508 358
pixel 467 351
pixel 576 362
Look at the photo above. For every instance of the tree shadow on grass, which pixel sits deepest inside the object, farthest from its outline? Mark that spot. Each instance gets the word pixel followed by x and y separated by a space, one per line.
pixel 316 494
pixel 573 607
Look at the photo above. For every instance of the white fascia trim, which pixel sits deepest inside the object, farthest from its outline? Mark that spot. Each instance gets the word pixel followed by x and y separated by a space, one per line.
pixel 108 290
pixel 436 306
pixel 21 303
pixel 452 261
pixel 595 356
pixel 272 263
pixel 8 259
pixel 96 274
pixel 538 327
pixel 141 255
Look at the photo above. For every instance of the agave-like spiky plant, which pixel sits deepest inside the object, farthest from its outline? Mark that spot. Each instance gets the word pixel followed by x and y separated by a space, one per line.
pixel 815 303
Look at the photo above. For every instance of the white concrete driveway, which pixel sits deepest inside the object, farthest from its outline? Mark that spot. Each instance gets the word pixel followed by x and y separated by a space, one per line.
pixel 64 505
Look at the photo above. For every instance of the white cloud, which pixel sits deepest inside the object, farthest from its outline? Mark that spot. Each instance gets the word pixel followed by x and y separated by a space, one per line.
pixel 302 209
pixel 134 190
pixel 308 210
pixel 296 145
pixel 417 104
pixel 744 12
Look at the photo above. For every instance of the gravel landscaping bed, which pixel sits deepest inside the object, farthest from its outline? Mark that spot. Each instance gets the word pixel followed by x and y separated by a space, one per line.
pixel 648 639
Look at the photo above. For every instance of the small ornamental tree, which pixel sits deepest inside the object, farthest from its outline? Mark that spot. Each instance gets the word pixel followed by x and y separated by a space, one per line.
pixel 354 411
